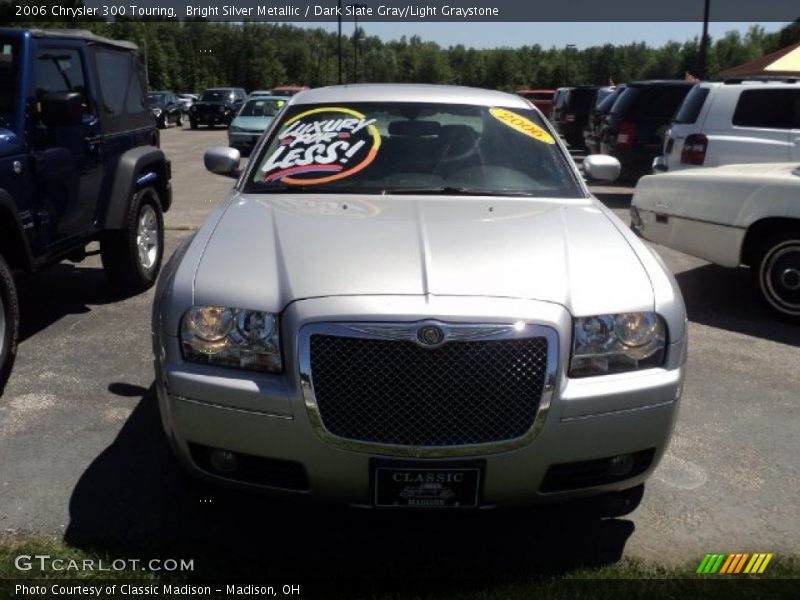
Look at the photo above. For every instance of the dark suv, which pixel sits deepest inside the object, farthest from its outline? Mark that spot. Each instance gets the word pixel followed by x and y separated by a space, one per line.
pixel 79 162
pixel 571 110
pixel 633 130
pixel 216 106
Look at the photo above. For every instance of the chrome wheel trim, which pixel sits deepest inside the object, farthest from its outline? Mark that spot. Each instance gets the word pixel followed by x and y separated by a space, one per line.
pixel 778 279
pixel 147 243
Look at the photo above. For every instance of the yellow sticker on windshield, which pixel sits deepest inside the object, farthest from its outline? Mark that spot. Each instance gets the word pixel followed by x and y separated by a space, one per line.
pixel 522 125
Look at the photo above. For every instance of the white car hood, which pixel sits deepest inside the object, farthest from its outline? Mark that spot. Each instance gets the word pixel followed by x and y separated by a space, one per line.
pixel 270 250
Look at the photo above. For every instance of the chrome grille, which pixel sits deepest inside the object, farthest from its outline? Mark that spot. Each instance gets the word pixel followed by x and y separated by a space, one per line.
pixel 397 392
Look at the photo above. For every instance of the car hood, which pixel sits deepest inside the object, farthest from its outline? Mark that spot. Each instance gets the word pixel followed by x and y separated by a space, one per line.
pixel 259 123
pixel 270 250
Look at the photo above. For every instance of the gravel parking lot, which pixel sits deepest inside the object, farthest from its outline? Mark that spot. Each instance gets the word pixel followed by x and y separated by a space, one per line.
pixel 83 454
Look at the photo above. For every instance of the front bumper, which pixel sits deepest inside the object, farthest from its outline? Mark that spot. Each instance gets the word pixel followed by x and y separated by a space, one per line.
pixel 243 139
pixel 265 416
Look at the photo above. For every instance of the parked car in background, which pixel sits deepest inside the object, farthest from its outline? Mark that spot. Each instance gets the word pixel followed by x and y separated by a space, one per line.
pixel 541 99
pixel 79 163
pixel 287 90
pixel 412 284
pixel 216 106
pixel 738 121
pixel 733 215
pixel 256 93
pixel 633 130
pixel 166 108
pixel 571 111
pixel 594 123
pixel 255 116
pixel 186 101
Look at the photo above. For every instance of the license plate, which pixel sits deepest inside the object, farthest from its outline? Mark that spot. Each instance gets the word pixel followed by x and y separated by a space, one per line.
pixel 426 487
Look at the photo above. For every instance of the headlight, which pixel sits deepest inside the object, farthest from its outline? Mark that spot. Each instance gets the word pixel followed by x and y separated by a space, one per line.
pixel 222 109
pixel 606 344
pixel 157 112
pixel 231 337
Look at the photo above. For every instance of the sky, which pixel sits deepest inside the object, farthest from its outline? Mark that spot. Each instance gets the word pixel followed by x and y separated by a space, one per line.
pixel 583 35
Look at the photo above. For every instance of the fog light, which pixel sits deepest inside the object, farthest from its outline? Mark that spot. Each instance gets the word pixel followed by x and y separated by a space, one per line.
pixel 621 465
pixel 224 461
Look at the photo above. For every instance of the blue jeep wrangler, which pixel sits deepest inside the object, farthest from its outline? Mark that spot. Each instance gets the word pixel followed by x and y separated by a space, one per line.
pixel 79 162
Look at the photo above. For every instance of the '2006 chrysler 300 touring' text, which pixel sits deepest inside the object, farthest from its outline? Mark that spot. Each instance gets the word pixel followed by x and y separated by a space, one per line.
pixel 410 299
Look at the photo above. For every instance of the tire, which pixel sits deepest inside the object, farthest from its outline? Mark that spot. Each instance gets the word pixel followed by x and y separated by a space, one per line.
pixel 779 274
pixel 162 121
pixel 132 255
pixel 192 124
pixel 9 323
pixel 179 120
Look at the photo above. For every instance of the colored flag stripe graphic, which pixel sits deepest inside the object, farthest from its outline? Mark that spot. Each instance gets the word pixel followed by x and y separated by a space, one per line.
pixel 740 562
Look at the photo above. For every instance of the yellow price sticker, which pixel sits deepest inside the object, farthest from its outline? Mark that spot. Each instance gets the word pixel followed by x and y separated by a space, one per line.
pixel 521 124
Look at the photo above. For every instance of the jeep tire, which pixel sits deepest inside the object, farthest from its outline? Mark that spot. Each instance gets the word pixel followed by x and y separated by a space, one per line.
pixel 192 123
pixel 9 322
pixel 778 272
pixel 132 255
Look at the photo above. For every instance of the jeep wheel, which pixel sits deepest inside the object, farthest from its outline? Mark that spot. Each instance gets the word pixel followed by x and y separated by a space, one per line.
pixel 132 255
pixel 779 274
pixel 162 121
pixel 179 120
pixel 192 124
pixel 9 322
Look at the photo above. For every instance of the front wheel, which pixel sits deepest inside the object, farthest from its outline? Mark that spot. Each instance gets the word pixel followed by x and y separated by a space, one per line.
pixel 9 322
pixel 779 274
pixel 132 255
pixel 179 120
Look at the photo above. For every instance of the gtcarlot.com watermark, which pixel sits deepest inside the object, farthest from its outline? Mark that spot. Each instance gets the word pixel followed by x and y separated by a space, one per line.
pixel 47 563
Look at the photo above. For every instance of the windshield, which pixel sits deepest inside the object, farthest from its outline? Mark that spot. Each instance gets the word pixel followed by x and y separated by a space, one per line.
pixel 413 148
pixel 262 107
pixel 9 66
pixel 155 98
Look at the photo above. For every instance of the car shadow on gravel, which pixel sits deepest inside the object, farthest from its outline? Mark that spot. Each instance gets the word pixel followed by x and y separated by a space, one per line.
pixel 729 299
pixel 135 501
pixel 61 290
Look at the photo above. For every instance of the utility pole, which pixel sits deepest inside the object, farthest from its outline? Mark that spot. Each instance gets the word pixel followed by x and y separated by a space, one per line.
pixel 566 63
pixel 703 74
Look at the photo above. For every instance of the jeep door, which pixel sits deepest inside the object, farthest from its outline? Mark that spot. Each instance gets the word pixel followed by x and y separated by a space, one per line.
pixel 68 158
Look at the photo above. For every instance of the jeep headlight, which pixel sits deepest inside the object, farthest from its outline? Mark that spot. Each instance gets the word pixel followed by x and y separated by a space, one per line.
pixel 222 109
pixel 232 337
pixel 157 112
pixel 605 344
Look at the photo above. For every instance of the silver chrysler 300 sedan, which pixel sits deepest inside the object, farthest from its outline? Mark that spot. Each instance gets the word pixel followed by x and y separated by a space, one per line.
pixel 410 299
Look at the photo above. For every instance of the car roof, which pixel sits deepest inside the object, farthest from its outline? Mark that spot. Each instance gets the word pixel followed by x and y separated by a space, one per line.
pixel 382 92
pixel 82 34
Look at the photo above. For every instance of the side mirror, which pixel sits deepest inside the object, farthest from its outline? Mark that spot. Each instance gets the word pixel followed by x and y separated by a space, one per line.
pixel 600 167
pixel 222 160
pixel 61 109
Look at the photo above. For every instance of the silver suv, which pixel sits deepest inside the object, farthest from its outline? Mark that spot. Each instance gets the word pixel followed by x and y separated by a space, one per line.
pixel 738 121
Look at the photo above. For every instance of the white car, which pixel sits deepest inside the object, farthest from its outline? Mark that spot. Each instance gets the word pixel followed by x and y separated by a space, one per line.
pixel 411 285
pixel 735 122
pixel 732 215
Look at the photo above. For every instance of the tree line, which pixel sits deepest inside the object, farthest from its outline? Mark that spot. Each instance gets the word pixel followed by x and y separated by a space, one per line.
pixel 192 55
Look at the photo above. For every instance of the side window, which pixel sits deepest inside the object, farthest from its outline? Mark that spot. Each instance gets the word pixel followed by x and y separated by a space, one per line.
pixel 768 109
pixel 60 70
pixel 119 83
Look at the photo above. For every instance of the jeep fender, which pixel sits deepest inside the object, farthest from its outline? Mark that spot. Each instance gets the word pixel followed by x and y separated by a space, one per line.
pixel 143 165
pixel 13 241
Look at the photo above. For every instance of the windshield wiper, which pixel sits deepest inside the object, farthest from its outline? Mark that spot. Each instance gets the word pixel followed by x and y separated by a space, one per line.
pixel 447 190
pixel 285 188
